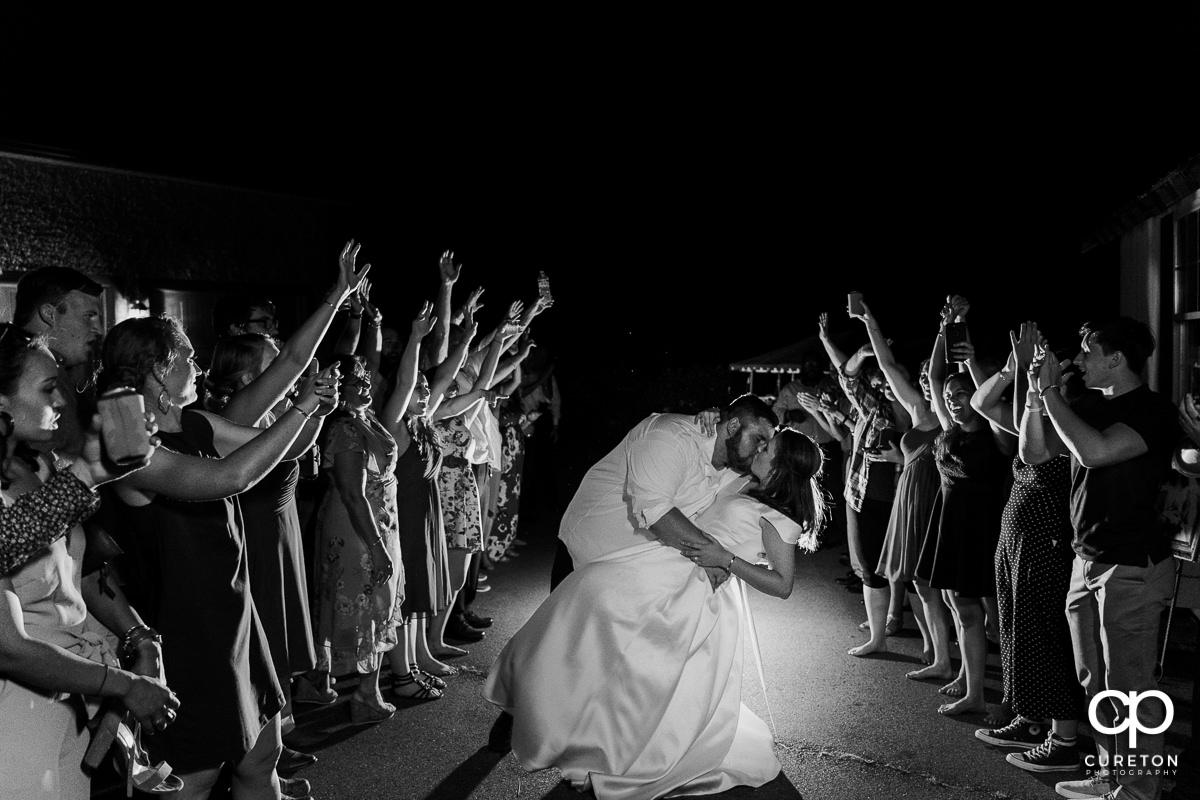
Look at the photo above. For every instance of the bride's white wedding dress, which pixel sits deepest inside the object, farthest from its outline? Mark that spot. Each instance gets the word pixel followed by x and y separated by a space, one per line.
pixel 630 674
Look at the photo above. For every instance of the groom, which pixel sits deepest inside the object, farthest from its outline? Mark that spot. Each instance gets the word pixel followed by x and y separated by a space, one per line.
pixel 657 480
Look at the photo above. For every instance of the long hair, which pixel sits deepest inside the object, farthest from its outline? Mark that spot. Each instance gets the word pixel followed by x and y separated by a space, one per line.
pixel 136 348
pixel 234 358
pixel 792 487
pixel 17 347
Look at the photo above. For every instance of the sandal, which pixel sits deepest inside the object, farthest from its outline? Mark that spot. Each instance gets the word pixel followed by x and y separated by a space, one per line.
pixel 425 677
pixel 111 728
pixel 424 694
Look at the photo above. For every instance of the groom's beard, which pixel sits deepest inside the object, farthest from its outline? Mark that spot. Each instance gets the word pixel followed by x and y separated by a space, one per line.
pixel 734 459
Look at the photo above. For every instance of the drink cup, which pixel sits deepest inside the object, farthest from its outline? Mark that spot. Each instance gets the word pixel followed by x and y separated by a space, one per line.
pixel 123 427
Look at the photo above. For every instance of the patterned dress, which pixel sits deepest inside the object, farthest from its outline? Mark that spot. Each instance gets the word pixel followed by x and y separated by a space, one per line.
pixel 508 499
pixel 355 622
pixel 458 489
pixel 1033 573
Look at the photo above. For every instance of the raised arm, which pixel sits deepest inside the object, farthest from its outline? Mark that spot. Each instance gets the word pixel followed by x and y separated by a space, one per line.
pixel 406 373
pixel 249 404
pixel 192 478
pixel 347 341
pixel 438 344
pixel 910 396
pixel 836 356
pixel 937 371
pixel 446 371
pixel 1091 447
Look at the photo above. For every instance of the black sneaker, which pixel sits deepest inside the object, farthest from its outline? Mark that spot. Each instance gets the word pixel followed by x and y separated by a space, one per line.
pixel 1020 734
pixel 1052 755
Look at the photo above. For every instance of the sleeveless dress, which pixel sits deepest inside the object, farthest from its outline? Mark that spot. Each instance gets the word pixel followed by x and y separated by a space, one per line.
pixel 422 542
pixel 917 487
pixel 458 488
pixel 191 566
pixel 629 676
pixel 960 557
pixel 355 625
pixel 278 578
pixel 41 741
pixel 1033 573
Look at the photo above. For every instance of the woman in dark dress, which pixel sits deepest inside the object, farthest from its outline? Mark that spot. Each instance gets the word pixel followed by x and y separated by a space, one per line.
pixel 958 558
pixel 187 558
pixel 1043 700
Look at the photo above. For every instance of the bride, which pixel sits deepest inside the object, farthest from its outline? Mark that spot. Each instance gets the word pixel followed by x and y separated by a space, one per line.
pixel 628 677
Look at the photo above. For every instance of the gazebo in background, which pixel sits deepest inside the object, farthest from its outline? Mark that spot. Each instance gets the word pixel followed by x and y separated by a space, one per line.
pixel 766 374
pixel 783 364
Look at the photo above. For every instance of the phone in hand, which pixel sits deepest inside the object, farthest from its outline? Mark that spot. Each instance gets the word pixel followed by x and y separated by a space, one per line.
pixel 956 333
pixel 854 303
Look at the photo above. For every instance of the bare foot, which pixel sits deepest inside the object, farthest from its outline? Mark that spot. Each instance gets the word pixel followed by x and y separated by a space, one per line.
pixel 963 705
pixel 867 649
pixel 998 716
pixel 446 651
pixel 432 666
pixel 927 658
pixel 931 673
pixel 374 701
pixel 954 688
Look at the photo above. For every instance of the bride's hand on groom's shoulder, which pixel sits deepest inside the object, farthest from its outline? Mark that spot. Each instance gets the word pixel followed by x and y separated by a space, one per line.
pixel 708 419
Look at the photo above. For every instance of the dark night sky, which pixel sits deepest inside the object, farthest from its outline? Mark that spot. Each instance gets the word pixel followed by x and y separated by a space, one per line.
pixel 699 202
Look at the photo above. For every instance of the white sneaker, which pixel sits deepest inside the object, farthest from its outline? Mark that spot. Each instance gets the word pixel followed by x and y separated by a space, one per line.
pixel 1095 786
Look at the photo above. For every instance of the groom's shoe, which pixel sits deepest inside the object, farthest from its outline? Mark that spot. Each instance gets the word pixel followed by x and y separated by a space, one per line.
pixel 458 630
pixel 500 736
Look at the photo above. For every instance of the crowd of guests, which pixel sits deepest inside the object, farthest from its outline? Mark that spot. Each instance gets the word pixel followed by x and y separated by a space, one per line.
pixel 180 593
pixel 1012 498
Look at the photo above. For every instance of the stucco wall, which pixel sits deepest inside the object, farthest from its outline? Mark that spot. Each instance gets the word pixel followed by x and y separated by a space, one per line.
pixel 132 228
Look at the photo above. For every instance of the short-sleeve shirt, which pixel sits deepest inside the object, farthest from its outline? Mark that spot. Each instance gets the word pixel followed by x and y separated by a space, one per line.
pixel 665 462
pixel 1114 508
pixel 866 479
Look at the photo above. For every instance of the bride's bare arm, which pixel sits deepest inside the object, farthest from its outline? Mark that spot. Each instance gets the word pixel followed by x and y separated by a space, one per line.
pixel 775 580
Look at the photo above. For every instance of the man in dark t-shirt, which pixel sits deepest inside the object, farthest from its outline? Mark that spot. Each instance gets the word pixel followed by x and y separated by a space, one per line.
pixel 1120 438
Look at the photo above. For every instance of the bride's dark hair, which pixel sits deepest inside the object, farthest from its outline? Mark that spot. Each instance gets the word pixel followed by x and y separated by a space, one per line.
pixel 792 486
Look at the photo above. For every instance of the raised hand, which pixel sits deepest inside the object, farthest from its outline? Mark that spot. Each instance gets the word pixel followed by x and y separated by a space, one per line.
pixel 448 269
pixel 514 311
pixel 93 459
pixel 1024 344
pixel 423 323
pixel 963 351
pixel 865 316
pixel 707 420
pixel 473 304
pixel 320 393
pixel 349 277
pixel 823 325
pixel 1049 372
pixel 960 306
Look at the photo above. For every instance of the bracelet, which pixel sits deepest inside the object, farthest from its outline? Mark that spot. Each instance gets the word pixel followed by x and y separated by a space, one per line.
pixel 1042 393
pixel 303 413
pixel 103 682
pixel 331 305
pixel 375 324
pixel 136 636
pixel 1005 376
pixel 729 568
